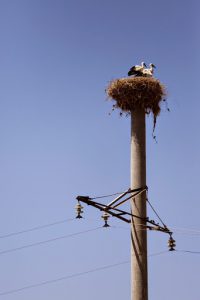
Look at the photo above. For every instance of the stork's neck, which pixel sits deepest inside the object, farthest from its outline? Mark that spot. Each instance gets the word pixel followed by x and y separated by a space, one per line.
pixel 151 68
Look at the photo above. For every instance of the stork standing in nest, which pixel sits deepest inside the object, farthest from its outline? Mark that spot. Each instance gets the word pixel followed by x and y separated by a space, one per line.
pixel 148 72
pixel 137 70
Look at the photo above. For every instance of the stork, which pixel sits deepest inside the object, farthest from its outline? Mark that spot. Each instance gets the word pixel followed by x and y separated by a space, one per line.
pixel 148 72
pixel 137 70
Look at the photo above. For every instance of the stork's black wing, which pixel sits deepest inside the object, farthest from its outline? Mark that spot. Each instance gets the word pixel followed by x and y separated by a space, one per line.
pixel 135 72
pixel 132 71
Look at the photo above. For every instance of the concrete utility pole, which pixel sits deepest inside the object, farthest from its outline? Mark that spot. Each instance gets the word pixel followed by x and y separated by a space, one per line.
pixel 139 276
pixel 139 94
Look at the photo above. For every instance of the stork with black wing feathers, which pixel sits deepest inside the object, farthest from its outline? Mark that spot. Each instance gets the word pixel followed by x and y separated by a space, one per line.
pixel 137 70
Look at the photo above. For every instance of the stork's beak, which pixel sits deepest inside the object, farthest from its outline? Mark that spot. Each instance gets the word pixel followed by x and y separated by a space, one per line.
pixel 145 65
pixel 153 66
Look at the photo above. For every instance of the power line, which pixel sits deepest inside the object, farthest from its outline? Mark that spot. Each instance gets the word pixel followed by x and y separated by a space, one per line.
pixel 72 275
pixel 188 251
pixel 48 241
pixel 186 233
pixel 105 196
pixel 127 228
pixel 187 230
pixel 53 240
pixel 35 228
pixel 63 278
pixel 158 253
pixel 120 227
pixel 119 193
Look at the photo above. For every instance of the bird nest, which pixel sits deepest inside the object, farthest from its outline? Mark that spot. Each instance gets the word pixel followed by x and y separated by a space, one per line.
pixel 137 92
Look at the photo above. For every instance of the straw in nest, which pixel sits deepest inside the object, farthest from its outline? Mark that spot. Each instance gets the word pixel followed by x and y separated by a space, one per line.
pixel 137 92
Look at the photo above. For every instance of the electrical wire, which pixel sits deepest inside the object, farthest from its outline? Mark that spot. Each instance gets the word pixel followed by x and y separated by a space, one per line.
pixel 127 228
pixel 188 251
pixel 105 196
pixel 48 241
pixel 144 228
pixel 175 229
pixel 35 228
pixel 63 278
pixel 119 193
pixel 120 227
pixel 84 273
pixel 72 276
pixel 187 230
pixel 159 253
pixel 186 233
pixel 56 239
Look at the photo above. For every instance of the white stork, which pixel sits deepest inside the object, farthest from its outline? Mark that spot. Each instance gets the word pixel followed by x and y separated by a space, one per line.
pixel 148 72
pixel 137 70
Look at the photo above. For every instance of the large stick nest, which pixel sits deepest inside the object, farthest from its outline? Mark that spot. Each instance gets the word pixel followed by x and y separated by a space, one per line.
pixel 137 92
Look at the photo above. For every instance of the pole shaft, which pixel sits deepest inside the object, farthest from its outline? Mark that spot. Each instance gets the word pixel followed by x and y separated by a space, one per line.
pixel 139 276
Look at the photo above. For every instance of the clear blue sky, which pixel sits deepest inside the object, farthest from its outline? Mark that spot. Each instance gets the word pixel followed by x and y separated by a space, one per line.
pixel 57 141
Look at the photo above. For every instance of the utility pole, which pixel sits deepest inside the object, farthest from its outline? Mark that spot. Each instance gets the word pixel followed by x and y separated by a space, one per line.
pixel 136 96
pixel 139 276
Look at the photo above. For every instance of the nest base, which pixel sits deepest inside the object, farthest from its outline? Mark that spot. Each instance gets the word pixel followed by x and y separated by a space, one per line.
pixel 137 92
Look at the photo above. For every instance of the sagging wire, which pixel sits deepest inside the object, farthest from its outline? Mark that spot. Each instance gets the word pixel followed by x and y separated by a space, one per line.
pixel 188 251
pixel 35 228
pixel 47 282
pixel 49 240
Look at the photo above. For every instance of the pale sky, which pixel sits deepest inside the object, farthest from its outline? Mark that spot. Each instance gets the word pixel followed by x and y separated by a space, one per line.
pixel 58 141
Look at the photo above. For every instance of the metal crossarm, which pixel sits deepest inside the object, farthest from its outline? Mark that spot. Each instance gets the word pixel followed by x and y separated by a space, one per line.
pixel 118 198
pixel 120 214
pixel 108 209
